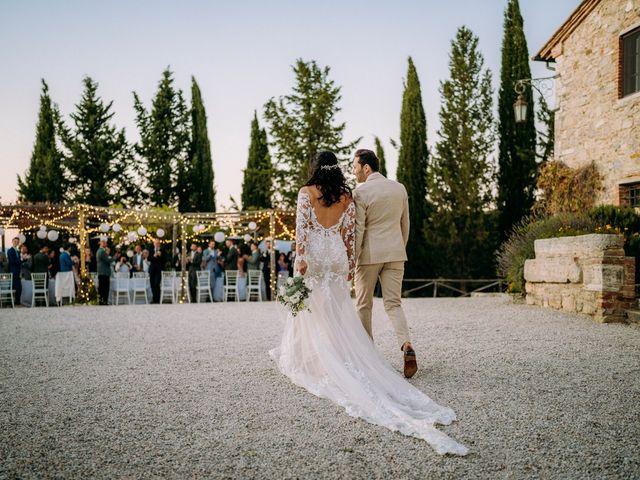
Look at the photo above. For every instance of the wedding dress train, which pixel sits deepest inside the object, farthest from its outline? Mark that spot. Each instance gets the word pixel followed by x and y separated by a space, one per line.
pixel 327 351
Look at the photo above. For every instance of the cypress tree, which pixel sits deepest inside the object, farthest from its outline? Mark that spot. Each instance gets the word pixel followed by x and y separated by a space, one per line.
pixel 164 144
pixel 98 157
pixel 412 169
pixel 257 183
pixel 381 157
pixel 200 165
pixel 461 170
pixel 44 180
pixel 303 123
pixel 517 142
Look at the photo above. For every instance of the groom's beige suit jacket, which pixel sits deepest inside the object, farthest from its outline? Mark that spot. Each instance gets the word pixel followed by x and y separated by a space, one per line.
pixel 382 221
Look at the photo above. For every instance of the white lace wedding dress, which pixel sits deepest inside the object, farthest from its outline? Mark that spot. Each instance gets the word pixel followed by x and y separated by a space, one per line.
pixel 327 351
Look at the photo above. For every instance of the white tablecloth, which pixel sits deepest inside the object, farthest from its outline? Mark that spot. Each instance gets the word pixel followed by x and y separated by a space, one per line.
pixel 27 287
pixel 65 286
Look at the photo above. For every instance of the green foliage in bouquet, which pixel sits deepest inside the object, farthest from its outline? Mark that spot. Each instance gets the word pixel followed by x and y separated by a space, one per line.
pixel 294 295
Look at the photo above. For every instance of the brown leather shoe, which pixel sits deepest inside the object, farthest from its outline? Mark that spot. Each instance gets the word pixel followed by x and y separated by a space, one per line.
pixel 410 364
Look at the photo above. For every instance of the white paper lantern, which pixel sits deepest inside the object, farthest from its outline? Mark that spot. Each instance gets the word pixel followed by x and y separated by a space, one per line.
pixel 252 226
pixel 72 240
pixel 219 237
pixel 142 231
pixel 22 238
pixel 41 234
pixel 132 236
pixel 104 227
pixel 43 227
pixel 247 237
pixel 116 227
pixel 52 235
pixel 130 253
pixel 160 233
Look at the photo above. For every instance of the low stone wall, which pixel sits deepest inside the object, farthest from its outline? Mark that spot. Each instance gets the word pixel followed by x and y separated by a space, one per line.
pixel 586 274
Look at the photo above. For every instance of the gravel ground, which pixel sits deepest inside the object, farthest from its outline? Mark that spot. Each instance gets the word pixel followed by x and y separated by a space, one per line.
pixel 189 391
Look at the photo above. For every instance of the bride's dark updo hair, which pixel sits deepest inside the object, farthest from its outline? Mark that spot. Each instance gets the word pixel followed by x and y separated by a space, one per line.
pixel 327 175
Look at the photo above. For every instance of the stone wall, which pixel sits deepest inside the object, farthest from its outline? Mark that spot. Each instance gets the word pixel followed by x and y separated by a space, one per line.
pixel 585 274
pixel 592 123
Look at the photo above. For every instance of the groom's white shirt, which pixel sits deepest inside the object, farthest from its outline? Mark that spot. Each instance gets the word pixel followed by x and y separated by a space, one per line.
pixel 382 220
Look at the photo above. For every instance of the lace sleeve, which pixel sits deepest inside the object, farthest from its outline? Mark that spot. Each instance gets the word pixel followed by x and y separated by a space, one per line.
pixel 349 236
pixel 303 224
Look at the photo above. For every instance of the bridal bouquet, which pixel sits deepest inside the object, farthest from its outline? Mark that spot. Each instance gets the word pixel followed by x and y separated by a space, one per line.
pixel 295 295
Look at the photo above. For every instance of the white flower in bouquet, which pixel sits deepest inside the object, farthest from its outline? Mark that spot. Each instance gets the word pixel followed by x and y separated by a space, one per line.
pixel 290 281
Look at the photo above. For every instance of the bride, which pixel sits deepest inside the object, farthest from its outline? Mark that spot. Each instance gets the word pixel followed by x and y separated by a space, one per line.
pixel 326 349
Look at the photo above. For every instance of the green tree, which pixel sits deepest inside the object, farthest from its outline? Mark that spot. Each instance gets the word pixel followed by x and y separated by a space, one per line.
pixel 98 158
pixel 164 144
pixel 257 187
pixel 199 168
pixel 461 170
pixel 381 157
pixel 412 169
pixel 303 123
pixel 517 142
pixel 44 180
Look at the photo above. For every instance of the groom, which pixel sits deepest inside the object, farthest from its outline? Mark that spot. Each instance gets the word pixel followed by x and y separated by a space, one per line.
pixel 382 231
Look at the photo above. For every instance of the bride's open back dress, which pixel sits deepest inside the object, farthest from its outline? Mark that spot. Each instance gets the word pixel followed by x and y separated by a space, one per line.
pixel 327 351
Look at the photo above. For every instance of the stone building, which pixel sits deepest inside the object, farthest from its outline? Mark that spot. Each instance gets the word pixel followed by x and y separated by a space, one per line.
pixel 596 53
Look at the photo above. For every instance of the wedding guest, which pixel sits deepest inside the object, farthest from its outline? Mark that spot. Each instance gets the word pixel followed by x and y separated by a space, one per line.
pixel 265 258
pixel 123 266
pixel 241 266
pixel 104 261
pixel 158 261
pixel 137 259
pixel 209 262
pixel 194 260
pixel 90 260
pixel 66 264
pixel 231 260
pixel 15 264
pixel 253 260
pixel 41 261
pixel 145 261
pixel 283 266
pixel 291 258
pixel 4 263
pixel 54 264
pixel 25 263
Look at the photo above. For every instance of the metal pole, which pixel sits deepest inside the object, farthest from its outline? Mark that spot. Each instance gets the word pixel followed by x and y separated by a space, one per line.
pixel 272 260
pixel 82 234
pixel 183 261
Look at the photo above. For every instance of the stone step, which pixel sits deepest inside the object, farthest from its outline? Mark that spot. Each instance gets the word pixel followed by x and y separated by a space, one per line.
pixel 633 316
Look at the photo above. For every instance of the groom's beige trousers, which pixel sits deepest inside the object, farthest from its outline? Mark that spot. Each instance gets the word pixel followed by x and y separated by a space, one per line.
pixel 390 275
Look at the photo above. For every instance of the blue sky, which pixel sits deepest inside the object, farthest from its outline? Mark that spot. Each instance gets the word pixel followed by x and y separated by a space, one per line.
pixel 241 53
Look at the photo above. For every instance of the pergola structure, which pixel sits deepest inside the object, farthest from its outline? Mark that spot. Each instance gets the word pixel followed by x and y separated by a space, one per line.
pixel 125 226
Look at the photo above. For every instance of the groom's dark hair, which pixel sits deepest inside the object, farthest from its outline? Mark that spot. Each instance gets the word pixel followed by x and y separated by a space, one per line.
pixel 367 157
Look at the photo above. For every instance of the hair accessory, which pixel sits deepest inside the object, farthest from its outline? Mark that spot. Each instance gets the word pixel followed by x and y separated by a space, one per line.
pixel 329 167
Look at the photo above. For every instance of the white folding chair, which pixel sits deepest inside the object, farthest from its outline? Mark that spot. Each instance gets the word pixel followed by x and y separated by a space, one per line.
pixel 121 287
pixel 139 286
pixel 168 286
pixel 231 285
pixel 39 290
pixel 203 288
pixel 254 285
pixel 6 288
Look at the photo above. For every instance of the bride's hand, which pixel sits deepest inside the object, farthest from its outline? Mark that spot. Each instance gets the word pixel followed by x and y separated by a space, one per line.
pixel 302 267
